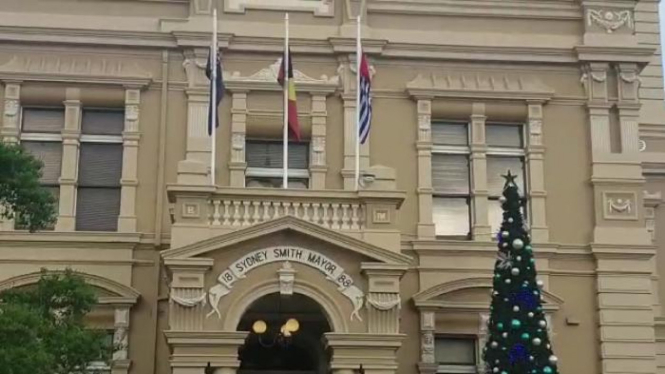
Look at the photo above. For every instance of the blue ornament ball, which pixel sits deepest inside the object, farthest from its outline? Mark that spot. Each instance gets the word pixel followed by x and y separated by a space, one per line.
pixel 516 324
pixel 547 370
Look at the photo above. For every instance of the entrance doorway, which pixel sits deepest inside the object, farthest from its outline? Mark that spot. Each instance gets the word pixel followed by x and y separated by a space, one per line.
pixel 285 336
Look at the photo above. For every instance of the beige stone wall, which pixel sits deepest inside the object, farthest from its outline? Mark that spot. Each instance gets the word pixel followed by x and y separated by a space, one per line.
pixel 541 48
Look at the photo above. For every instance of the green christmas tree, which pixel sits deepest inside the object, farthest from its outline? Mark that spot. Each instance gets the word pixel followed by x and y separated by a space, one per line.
pixel 518 341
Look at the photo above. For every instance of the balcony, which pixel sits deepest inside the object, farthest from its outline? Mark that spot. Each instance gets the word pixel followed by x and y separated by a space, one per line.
pixel 199 212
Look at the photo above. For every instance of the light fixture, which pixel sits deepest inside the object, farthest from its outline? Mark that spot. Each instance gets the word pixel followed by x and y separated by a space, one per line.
pixel 282 338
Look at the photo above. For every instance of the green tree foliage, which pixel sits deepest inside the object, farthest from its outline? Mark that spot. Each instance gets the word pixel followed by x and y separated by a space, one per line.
pixel 518 340
pixel 20 192
pixel 42 329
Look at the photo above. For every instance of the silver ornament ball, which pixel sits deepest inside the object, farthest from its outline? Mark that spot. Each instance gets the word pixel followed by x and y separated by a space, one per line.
pixel 502 199
pixel 516 309
pixel 531 358
pixel 540 283
pixel 542 323
pixel 518 244
pixel 504 335
pixel 553 359
pixel 505 234
pixel 495 370
pixel 530 314
pixel 515 271
pixel 536 341
pixel 511 220
pixel 508 281
pixel 494 344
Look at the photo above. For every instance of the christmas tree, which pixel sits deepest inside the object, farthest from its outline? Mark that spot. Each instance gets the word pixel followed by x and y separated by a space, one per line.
pixel 518 341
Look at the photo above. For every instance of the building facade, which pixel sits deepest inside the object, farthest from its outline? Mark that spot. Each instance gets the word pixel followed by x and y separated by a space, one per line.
pixel 395 275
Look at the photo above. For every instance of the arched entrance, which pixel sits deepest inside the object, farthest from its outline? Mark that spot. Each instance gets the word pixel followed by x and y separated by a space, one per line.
pixel 278 345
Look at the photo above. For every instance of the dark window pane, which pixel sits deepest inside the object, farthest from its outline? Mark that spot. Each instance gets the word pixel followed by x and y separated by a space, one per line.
pixel 100 165
pixel 97 209
pixel 266 154
pixel 451 216
pixel 450 174
pixel 50 153
pixel 509 136
pixel 102 122
pixel 46 120
pixel 444 133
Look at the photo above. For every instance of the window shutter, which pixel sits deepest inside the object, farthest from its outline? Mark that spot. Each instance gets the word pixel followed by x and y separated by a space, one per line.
pixel 50 153
pixel 260 154
pixel 498 166
pixel 451 216
pixel 102 122
pixel 97 209
pixel 455 351
pixel 450 174
pixel 100 165
pixel 509 136
pixel 43 120
pixel 450 133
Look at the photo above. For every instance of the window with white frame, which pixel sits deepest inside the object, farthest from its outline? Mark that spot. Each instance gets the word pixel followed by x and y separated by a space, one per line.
pixel 100 170
pixel 451 179
pixel 41 135
pixel 505 151
pixel 455 354
pixel 265 164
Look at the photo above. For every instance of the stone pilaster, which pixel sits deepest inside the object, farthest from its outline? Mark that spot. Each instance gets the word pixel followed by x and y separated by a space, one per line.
pixel 187 296
pixel 426 228
pixel 121 362
pixel 427 328
pixel 318 165
pixel 10 129
pixel 130 155
pixel 9 132
pixel 481 229
pixel 71 135
pixel 535 160
pixel 383 299
pixel 237 164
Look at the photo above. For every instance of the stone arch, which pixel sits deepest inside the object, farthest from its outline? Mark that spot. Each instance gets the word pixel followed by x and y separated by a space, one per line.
pixel 121 293
pixel 328 305
pixel 438 292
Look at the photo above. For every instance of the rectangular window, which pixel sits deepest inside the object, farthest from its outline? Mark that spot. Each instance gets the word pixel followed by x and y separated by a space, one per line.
pixel 41 135
pixel 455 355
pixel 505 152
pixel 265 162
pixel 451 179
pixel 100 170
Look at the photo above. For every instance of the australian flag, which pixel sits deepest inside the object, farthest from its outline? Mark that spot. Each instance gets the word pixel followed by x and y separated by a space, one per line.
pixel 219 86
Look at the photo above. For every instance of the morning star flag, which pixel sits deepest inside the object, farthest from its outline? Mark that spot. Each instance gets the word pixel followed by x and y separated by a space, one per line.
pixel 291 108
pixel 365 101
pixel 218 88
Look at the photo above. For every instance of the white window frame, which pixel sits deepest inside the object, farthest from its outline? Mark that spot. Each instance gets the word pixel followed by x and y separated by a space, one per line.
pixel 455 150
pixel 511 152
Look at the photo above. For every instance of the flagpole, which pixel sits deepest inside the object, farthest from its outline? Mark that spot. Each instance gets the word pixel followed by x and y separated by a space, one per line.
pixel 358 59
pixel 285 178
pixel 213 101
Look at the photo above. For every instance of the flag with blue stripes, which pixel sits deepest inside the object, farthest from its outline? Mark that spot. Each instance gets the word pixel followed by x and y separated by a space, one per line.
pixel 213 108
pixel 365 101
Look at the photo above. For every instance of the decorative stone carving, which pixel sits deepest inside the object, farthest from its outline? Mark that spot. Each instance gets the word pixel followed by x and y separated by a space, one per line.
pixel 594 80
pixel 238 147
pixel 477 85
pixel 287 276
pixel 384 301
pixel 642 145
pixel 620 205
pixel 266 80
pixel 318 151
pixel 610 20
pixel 239 269
pixel 121 335
pixel 74 68
pixel 347 72
pixel 651 202
pixel 195 71
pixel 536 131
pixel 427 347
pixel 424 120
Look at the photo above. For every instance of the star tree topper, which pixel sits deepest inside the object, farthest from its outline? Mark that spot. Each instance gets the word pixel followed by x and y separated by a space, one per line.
pixel 510 179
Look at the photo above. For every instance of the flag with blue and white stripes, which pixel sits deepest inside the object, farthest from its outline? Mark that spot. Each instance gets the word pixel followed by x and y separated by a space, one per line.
pixel 365 101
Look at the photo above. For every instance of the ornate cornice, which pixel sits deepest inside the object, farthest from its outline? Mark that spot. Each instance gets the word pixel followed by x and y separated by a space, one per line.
pixel 54 68
pixel 636 54
pixel 486 86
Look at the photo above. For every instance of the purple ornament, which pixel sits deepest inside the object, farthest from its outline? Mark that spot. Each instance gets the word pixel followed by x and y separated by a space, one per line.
pixel 518 354
pixel 525 299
